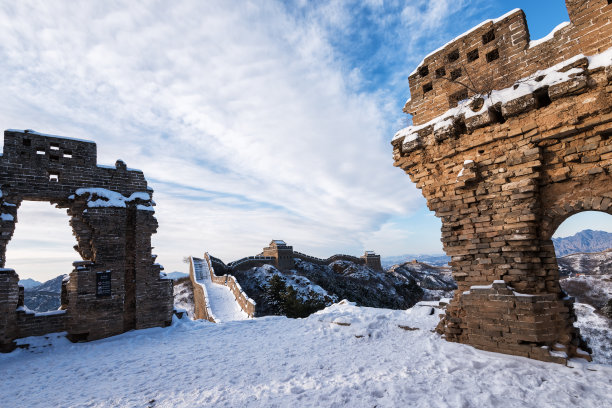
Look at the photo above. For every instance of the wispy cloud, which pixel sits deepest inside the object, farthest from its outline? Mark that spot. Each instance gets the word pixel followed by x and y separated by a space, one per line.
pixel 252 120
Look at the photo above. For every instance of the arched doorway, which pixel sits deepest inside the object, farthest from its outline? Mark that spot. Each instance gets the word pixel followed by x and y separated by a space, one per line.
pixel 583 245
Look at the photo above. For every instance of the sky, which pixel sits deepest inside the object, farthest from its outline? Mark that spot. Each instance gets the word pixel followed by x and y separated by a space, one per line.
pixel 251 120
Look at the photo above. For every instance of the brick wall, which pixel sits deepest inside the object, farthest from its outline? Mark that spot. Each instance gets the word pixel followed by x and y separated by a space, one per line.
pixel 497 53
pixel 111 214
pixel 503 183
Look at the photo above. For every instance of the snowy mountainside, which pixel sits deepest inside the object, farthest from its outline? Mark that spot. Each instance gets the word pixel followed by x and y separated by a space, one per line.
pixel 436 282
pixel 342 356
pixel 44 297
pixel 586 263
pixel 583 241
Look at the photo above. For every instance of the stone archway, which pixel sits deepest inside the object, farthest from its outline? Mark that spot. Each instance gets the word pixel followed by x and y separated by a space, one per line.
pixel 503 170
pixel 117 285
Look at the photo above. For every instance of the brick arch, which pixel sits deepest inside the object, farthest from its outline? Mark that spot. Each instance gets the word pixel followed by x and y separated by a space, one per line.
pixel 117 285
pixel 554 215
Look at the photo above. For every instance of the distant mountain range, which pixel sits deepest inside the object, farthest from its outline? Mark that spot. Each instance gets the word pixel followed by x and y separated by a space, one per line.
pixel 584 241
pixel 434 260
pixel 45 296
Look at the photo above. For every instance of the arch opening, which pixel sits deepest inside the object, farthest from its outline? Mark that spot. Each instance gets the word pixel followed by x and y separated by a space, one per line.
pixel 41 251
pixel 583 247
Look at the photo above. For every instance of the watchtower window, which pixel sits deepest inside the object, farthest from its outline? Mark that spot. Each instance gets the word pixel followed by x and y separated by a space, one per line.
pixel 454 99
pixel 67 154
pixel 40 151
pixel 53 176
pixel 493 55
pixel 26 142
pixel 54 157
pixel 440 72
pixel 424 71
pixel 54 146
pixel 488 37
pixel 456 73
pixel 472 55
pixel 453 56
pixel 427 87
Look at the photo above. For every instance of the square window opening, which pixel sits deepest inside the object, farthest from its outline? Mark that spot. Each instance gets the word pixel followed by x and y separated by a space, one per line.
pixel 472 55
pixel 456 73
pixel 53 177
pixel 40 151
pixel 67 154
pixel 54 146
pixel 427 87
pixel 488 37
pixel 493 55
pixel 440 72
pixel 424 71
pixel 26 142
pixel 453 56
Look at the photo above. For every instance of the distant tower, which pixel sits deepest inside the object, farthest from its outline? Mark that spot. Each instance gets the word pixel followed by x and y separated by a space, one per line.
pixel 372 260
pixel 282 252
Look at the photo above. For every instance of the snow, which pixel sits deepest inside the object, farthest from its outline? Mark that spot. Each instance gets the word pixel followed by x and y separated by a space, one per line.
pixel 113 198
pixel 219 298
pixel 7 217
pixel 550 35
pixel 281 362
pixel 601 60
pixel 33 132
pixel 494 21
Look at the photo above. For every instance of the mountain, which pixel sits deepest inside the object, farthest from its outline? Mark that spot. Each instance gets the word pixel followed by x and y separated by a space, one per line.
pixel 44 297
pixel 433 260
pixel 310 287
pixel 29 283
pixel 584 241
pixel 597 263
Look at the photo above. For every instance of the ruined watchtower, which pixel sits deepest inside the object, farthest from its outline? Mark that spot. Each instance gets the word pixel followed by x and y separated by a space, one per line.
pixel 116 286
pixel 509 138
pixel 282 252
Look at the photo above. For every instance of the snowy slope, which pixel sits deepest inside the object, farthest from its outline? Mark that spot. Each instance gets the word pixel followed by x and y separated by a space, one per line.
pixel 220 298
pixel 343 356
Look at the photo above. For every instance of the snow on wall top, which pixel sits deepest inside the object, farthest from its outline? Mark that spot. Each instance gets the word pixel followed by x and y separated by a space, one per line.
pixel 554 75
pixel 465 34
pixel 33 132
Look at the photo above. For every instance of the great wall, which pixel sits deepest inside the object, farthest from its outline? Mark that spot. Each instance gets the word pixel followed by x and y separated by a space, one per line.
pixel 510 138
pixel 208 272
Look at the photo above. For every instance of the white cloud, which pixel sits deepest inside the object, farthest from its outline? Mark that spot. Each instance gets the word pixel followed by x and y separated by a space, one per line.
pixel 243 116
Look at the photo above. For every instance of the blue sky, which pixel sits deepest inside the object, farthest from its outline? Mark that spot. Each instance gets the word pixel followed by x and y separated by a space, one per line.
pixel 251 120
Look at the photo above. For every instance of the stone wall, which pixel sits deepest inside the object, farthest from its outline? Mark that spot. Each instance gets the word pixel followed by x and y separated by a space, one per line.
pixel 502 183
pixel 111 214
pixel 202 307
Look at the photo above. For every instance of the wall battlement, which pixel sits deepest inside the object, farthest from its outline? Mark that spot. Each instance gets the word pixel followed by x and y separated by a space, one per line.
pixel 497 53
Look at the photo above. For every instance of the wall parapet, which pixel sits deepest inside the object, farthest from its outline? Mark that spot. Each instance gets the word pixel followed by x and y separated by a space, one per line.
pixel 498 52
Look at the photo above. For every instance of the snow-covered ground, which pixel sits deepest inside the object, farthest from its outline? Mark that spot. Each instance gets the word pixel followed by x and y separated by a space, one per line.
pixel 342 356
pixel 220 298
